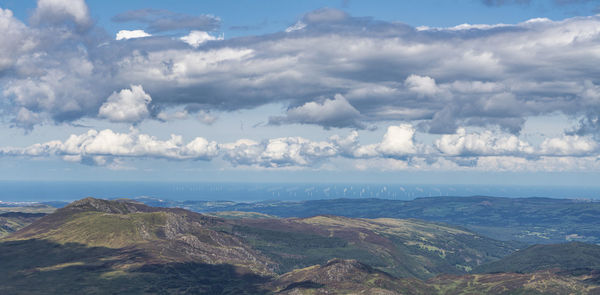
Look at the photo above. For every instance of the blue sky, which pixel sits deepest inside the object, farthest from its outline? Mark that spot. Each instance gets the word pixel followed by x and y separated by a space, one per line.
pixel 497 92
pixel 257 17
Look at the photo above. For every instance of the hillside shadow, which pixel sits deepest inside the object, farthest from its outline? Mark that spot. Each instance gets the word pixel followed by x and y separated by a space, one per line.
pixel 44 267
pixel 303 285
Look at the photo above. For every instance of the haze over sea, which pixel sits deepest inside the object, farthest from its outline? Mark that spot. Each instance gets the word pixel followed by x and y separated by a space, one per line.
pixel 17 191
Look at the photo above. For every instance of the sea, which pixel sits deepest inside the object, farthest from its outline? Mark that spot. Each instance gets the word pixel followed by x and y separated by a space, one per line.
pixel 43 191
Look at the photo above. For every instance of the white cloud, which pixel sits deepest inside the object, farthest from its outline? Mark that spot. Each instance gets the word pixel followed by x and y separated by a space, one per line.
pixel 126 34
pixel 14 40
pixel 102 147
pixel 398 141
pixel 482 144
pixel 278 152
pixel 478 151
pixel 423 86
pixel 129 105
pixel 568 145
pixel 55 11
pixel 196 38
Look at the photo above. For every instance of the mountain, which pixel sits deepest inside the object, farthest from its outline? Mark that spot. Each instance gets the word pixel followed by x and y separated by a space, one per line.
pixel 408 248
pixel 164 234
pixel 528 220
pixel 97 246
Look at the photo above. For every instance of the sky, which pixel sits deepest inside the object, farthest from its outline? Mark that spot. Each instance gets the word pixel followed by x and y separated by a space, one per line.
pixel 468 91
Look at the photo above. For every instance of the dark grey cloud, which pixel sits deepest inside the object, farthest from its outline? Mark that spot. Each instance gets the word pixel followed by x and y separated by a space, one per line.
pixel 160 20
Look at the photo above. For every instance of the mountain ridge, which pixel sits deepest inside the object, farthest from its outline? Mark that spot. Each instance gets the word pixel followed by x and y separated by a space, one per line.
pixel 102 246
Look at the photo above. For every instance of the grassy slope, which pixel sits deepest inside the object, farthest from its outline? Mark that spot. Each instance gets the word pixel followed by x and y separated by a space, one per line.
pixel 567 257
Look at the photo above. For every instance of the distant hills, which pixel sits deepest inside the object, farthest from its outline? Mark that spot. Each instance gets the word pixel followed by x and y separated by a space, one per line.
pixel 528 220
pixel 123 246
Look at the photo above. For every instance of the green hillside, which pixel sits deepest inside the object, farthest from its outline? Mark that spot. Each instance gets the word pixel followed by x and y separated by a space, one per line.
pixel 566 257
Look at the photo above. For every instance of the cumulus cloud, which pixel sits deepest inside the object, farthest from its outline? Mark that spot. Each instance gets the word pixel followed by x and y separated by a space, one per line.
pixel 126 34
pixel 569 145
pixel 101 147
pixel 398 141
pixel 128 105
pixel 484 143
pixel 16 39
pixel 397 150
pixel 59 11
pixel 336 112
pixel 423 86
pixel 278 152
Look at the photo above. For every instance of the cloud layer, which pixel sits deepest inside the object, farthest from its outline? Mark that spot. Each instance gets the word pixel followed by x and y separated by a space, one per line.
pixel 329 69
pixel 334 70
pixel 398 149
